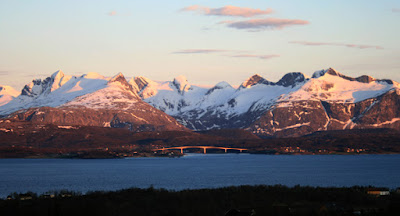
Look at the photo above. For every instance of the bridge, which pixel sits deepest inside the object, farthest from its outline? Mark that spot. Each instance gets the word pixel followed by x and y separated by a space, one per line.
pixel 201 147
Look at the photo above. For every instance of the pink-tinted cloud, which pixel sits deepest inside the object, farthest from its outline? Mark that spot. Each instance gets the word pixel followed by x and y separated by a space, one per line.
pixel 396 10
pixel 4 73
pixel 112 13
pixel 198 51
pixel 226 53
pixel 39 75
pixel 115 13
pixel 262 24
pixel 228 10
pixel 308 43
pixel 264 57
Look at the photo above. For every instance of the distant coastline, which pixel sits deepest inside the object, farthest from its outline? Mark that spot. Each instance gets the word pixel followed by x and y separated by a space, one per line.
pixel 99 142
pixel 170 154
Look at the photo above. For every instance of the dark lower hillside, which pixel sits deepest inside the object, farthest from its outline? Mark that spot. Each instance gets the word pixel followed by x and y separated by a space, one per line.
pixel 244 200
pixel 28 140
pixel 231 133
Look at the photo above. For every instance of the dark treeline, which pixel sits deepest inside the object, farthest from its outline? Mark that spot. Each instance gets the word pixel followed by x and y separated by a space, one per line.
pixel 242 200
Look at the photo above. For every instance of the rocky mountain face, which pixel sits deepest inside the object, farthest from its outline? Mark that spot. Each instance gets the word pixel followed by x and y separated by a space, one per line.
pixel 89 100
pixel 335 102
pixel 305 117
pixel 293 106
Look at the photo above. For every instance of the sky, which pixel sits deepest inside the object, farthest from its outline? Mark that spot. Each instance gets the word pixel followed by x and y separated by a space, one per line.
pixel 207 41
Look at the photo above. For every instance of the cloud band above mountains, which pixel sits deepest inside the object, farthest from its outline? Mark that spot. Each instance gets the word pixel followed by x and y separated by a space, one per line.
pixel 4 73
pixel 251 24
pixel 228 53
pixel 309 43
pixel 262 24
pixel 228 10
pixel 198 51
pixel 264 57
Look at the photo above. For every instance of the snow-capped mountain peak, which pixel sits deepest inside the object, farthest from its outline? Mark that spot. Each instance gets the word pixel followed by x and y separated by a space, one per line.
pixel 144 86
pixel 291 79
pixel 55 91
pixel 365 79
pixel 322 72
pixel 362 79
pixel 117 93
pixel 120 82
pixel 117 78
pixel 181 83
pixel 93 75
pixel 139 82
pixel 254 80
pixel 38 87
pixel 334 86
pixel 88 100
pixel 7 94
pixel 223 84
pixel 295 105
pixel 8 90
pixel 223 106
pixel 58 79
pixel 220 85
pixel 57 75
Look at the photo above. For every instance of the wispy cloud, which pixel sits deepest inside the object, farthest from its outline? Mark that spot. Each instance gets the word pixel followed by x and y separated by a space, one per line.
pixel 396 10
pixel 115 13
pixel 4 73
pixel 199 51
pixel 358 46
pixel 112 13
pixel 262 24
pixel 264 57
pixel 37 75
pixel 228 10
pixel 226 53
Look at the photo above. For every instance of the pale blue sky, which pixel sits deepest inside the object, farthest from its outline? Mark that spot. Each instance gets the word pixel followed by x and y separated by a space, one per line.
pixel 158 40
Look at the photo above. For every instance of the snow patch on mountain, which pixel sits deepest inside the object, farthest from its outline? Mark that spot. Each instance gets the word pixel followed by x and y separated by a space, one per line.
pixel 111 97
pixel 7 94
pixel 145 87
pixel 58 80
pixel 335 88
pixel 53 91
pixel 255 93
pixel 172 100
pixel 293 126
pixel 294 103
pixel 93 75
pixel 117 93
pixel 181 84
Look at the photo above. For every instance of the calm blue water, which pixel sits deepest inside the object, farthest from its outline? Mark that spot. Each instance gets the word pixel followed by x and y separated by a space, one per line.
pixel 197 171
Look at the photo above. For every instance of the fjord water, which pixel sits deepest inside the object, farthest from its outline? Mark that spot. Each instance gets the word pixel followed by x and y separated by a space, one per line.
pixel 198 171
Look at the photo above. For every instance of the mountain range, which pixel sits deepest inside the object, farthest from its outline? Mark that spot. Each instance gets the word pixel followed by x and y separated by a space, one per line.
pixel 296 105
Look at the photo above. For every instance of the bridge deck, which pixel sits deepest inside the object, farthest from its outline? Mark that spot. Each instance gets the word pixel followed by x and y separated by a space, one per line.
pixel 201 147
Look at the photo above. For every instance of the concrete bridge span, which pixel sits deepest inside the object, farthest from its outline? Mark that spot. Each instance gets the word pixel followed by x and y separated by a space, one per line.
pixel 181 148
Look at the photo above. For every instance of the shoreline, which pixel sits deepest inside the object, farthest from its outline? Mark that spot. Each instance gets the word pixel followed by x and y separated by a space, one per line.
pixel 395 190
pixel 252 200
pixel 183 155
